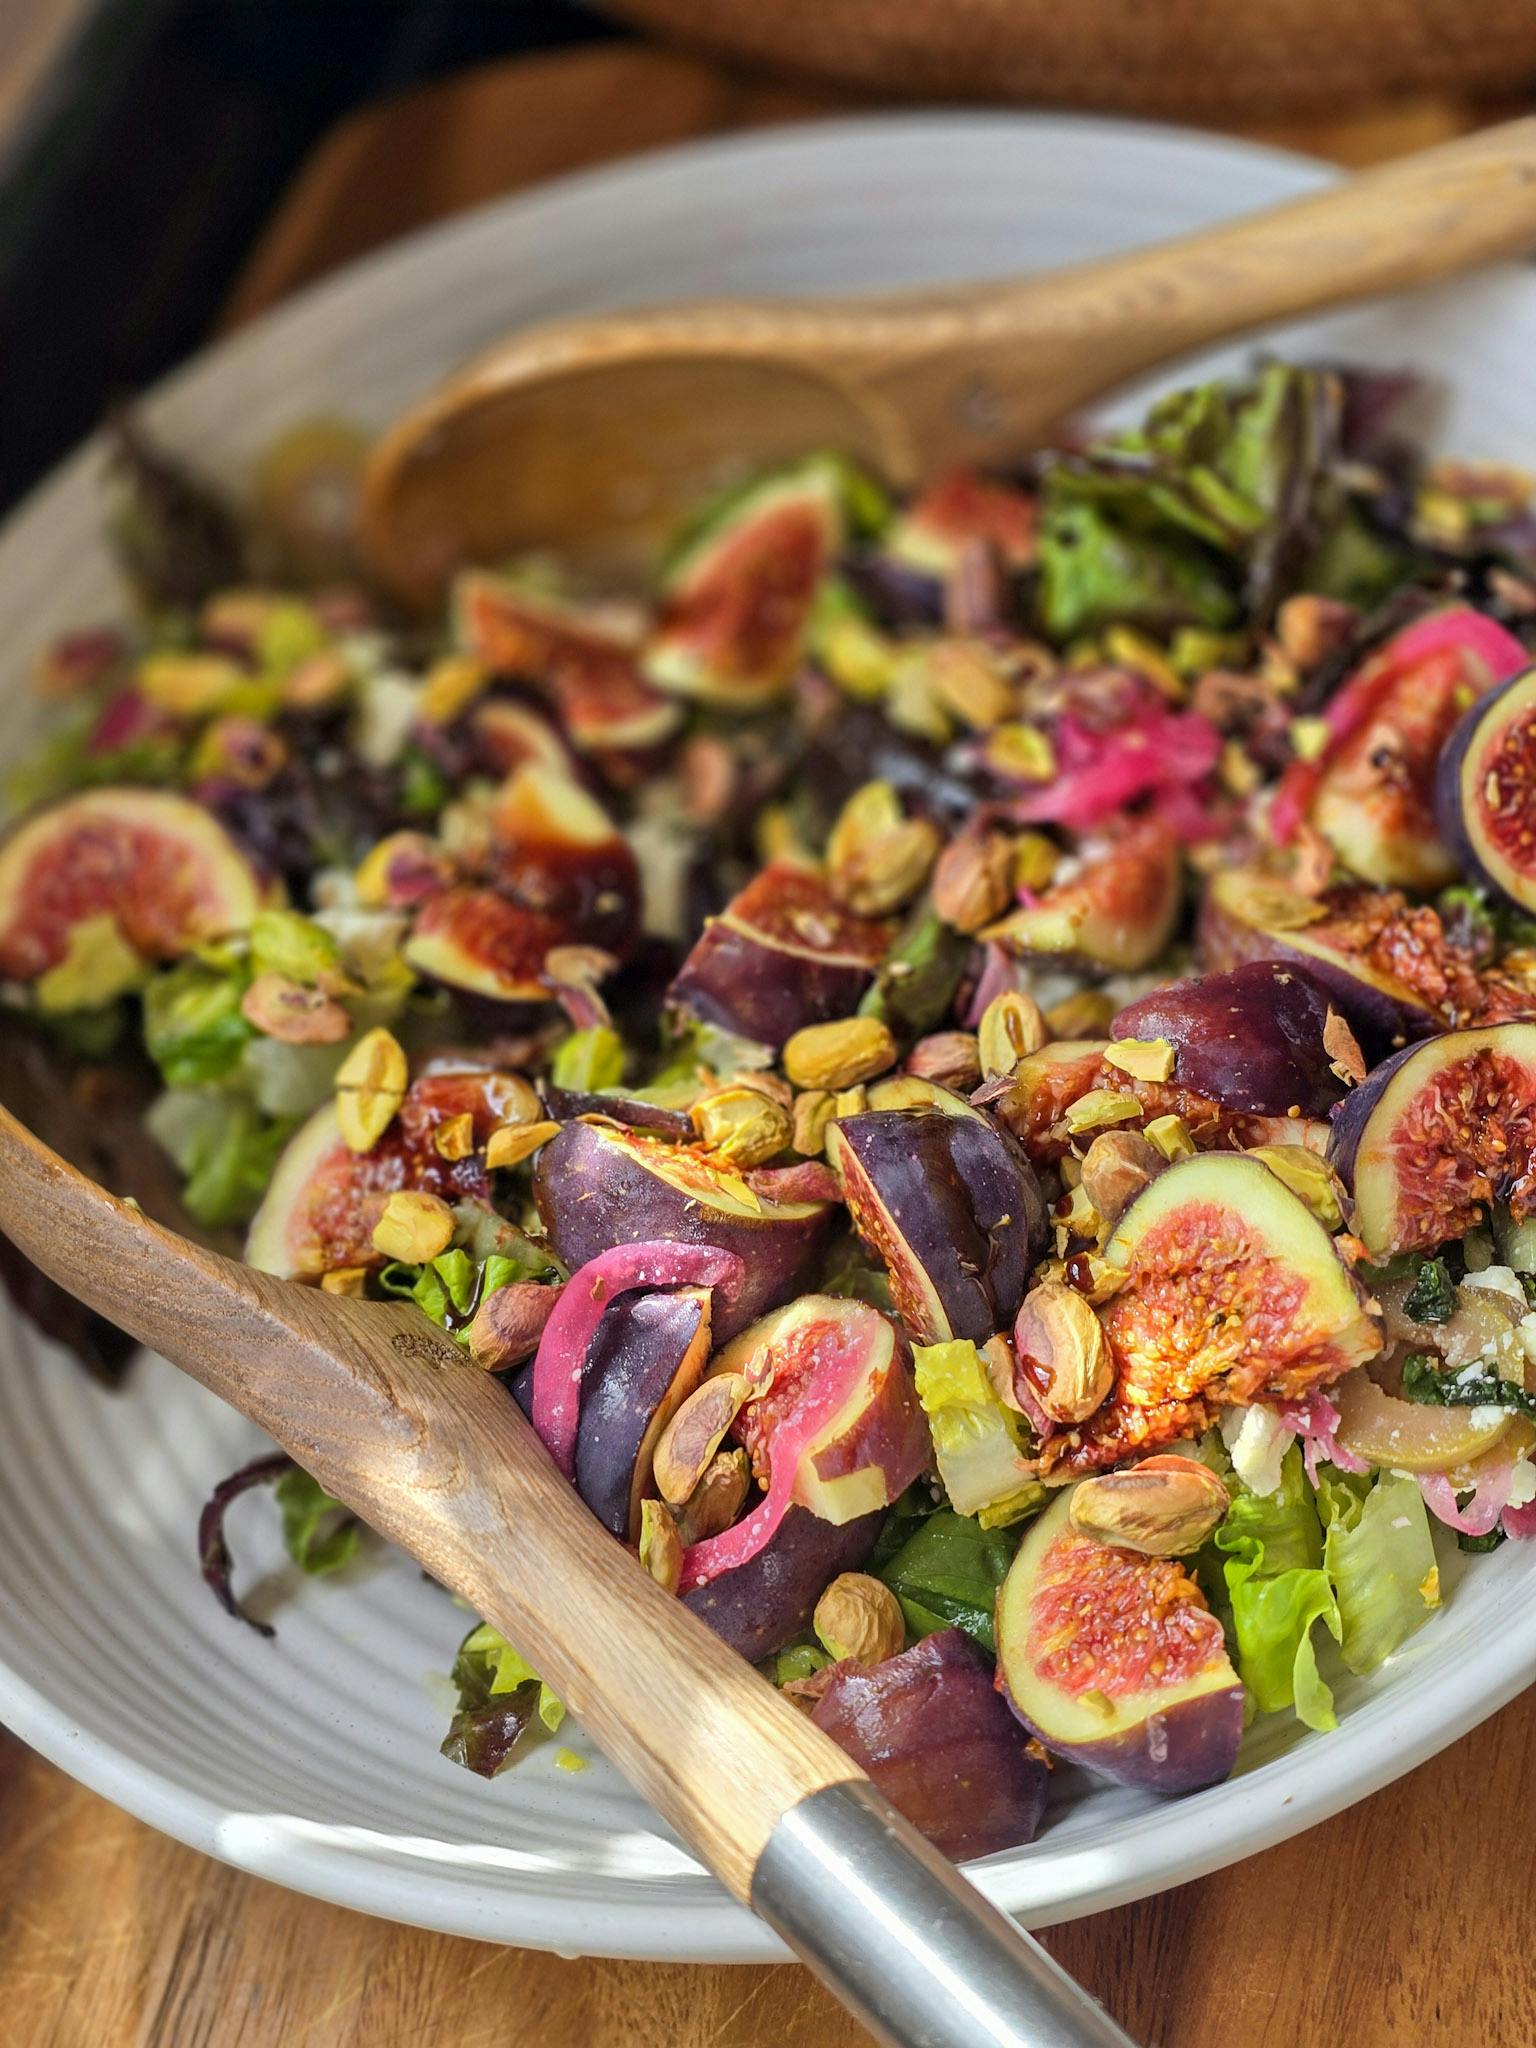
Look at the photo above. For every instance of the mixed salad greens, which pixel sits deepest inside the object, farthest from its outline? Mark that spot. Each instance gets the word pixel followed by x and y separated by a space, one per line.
pixel 970 1063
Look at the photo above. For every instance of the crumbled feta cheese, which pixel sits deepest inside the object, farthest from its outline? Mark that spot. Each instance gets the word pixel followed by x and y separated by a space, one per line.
pixel 1257 1441
pixel 1522 1484
pixel 1497 1280
pixel 386 711
pixel 1485 1418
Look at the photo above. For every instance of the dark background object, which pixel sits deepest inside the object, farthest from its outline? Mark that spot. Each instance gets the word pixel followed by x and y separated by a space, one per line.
pixel 153 154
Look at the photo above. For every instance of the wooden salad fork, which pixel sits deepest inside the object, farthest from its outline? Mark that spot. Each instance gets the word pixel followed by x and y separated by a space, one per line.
pixel 381 1407
pixel 594 437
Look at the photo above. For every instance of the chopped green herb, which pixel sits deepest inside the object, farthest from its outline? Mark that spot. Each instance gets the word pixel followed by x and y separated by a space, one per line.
pixel 1432 1298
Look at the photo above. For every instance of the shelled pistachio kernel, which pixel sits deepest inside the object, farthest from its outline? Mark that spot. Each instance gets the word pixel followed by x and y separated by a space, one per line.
pixel 690 1440
pixel 513 1143
pixel 1144 1059
pixel 951 1058
pixel 877 857
pixel 1085 1014
pixel 971 880
pixel 455 1138
pixel 344 1280
pixel 1101 1106
pixel 840 1054
pixel 370 1087
pixel 1163 1507
pixel 189 685
pixel 1116 1167
pixel 742 1124
pixel 452 685
pixel 1012 1026
pixel 661 1548
pixel 718 1498
pixel 859 1618
pixel 1171 1135
pixel 1035 861
pixel 414 1226
pixel 1310 1178
pixel 810 1116
pixel 1063 1352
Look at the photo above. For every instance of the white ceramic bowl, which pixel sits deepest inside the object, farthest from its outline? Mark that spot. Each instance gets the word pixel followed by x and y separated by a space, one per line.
pixel 313 1759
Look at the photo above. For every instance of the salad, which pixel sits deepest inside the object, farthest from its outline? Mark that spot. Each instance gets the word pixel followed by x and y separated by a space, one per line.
pixel 970 1063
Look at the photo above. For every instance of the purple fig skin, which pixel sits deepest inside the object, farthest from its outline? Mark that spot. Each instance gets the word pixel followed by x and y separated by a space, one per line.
pixel 1383 1014
pixel 646 1356
pixel 595 1189
pixel 765 1603
pixel 1459 778
pixel 1192 1745
pixel 1354 1112
pixel 740 982
pixel 1250 1038
pixel 566 1104
pixel 952 1206
pixel 939 1741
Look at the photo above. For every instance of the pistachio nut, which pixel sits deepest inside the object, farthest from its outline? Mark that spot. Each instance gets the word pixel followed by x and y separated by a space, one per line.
pixel 1144 1059
pixel 1012 1026
pixel 455 1138
pixel 318 681
pixel 859 1618
pixel 284 1009
pixel 841 1054
pixel 1083 1015
pixel 877 857
pixel 509 1322
pixel 972 882
pixel 414 1226
pixel 691 1438
pixel 967 681
pixel 951 1058
pixel 810 1116
pixel 1063 1354
pixel 511 1144
pixel 402 871
pixel 370 1087
pixel 718 1498
pixel 344 1280
pixel 1163 1507
pixel 1035 861
pixel 452 684
pixel 1116 1167
pixel 661 1548
pixel 742 1124
pixel 1171 1135
pixel 1309 1177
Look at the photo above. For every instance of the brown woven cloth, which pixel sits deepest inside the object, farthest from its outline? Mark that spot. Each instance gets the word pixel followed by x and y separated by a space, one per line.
pixel 1198 57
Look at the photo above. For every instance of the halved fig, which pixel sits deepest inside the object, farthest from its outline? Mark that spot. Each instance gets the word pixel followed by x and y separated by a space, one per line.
pixel 958 509
pixel 1410 1436
pixel 1371 793
pixel 580 662
pixel 598 1185
pixel 159 868
pixel 561 875
pixel 1114 1660
pixel 1232 1292
pixel 1117 913
pixel 833 1387
pixel 737 602
pixel 931 1729
pixel 646 1357
pixel 951 1205
pixel 1361 944
pixel 1485 797
pixel 784 953
pixel 1037 1097
pixel 1251 1038
pixel 507 734
pixel 324 1199
pixel 1438 1134
pixel 759 1606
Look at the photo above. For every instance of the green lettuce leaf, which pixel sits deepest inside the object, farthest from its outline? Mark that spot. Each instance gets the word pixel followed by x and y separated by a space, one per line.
pixel 978 1442
pixel 284 942
pixel 589 1060
pixel 1380 1561
pixel 507 1669
pixel 946 1575
pixel 193 1027
pixel 225 1147
pixel 320 1533
pixel 1272 1546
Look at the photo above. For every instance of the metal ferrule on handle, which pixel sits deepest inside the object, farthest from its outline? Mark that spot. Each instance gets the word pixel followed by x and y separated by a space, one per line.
pixel 907 1942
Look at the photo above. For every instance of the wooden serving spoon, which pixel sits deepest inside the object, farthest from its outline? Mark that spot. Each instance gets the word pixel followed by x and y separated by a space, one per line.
pixel 376 1402
pixel 592 437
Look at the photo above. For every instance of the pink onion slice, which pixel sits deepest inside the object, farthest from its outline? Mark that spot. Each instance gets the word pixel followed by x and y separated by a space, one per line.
pixel 1314 1421
pixel 1489 1499
pixel 562 1352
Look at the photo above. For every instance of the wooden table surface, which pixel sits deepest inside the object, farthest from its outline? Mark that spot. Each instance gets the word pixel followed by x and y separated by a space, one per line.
pixel 1408 1918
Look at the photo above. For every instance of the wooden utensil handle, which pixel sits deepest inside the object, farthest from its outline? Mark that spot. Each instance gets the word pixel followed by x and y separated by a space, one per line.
pixel 385 1412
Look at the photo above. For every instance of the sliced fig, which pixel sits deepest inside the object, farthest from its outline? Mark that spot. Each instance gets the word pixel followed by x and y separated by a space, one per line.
pixel 598 1185
pixel 1357 943
pixel 1114 1660
pixel 1485 798
pixel 324 1199
pixel 1117 913
pixel 1371 793
pixel 508 734
pixel 1438 1134
pixel 1232 1292
pixel 583 665
pixel 1251 1039
pixel 759 1606
pixel 933 1732
pixel 154 868
pixel 736 603
pixel 646 1357
pixel 561 875
pixel 1410 1436
pixel 783 954
pixel 951 1206
pixel 832 1381
pixel 1036 1100
pixel 961 508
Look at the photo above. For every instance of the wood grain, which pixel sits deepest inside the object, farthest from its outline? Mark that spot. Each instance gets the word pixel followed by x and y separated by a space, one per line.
pixel 1407 1919
pixel 594 437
